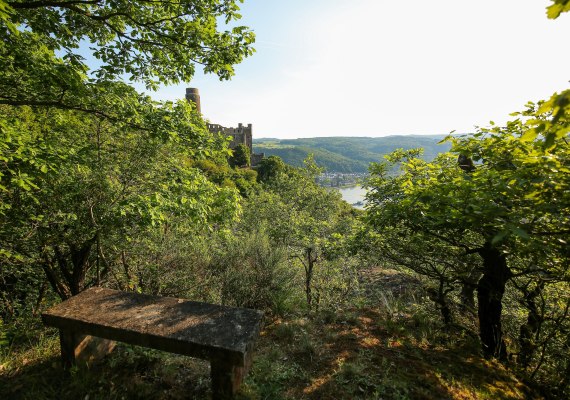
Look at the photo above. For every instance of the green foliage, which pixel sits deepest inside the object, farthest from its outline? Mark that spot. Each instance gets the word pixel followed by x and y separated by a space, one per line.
pixel 518 189
pixel 294 155
pixel 100 184
pixel 244 179
pixel 548 119
pixel 511 208
pixel 94 184
pixel 149 41
pixel 241 156
pixel 5 12
pixel 269 168
pixel 559 6
pixel 309 220
pixel 252 272
pixel 297 209
pixel 92 172
pixel 335 283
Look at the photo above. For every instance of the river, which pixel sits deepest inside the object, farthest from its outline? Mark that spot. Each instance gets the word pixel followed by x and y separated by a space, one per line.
pixel 353 195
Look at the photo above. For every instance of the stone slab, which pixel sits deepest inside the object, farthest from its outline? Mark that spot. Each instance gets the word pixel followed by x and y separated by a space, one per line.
pixel 196 329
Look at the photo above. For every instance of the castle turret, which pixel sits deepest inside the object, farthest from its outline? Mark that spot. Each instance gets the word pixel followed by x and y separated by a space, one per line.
pixel 193 95
pixel 240 135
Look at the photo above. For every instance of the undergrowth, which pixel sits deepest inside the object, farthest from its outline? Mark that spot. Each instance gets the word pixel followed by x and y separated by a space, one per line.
pixel 389 347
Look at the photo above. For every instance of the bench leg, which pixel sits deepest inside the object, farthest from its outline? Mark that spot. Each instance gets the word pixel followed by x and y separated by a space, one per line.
pixel 82 349
pixel 226 379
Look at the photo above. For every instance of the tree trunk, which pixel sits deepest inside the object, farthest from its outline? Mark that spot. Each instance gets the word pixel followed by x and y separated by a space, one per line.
pixel 67 279
pixel 468 287
pixel 566 374
pixel 41 293
pixel 467 296
pixel 80 262
pixel 439 297
pixel 309 275
pixel 444 307
pixel 490 290
pixel 529 330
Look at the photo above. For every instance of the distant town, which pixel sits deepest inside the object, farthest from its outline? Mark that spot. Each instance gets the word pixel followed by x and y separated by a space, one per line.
pixel 340 179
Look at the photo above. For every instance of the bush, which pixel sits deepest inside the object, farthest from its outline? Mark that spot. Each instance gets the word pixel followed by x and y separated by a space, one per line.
pixel 335 283
pixel 255 274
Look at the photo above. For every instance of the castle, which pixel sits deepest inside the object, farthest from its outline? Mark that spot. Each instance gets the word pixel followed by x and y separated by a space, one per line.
pixel 240 135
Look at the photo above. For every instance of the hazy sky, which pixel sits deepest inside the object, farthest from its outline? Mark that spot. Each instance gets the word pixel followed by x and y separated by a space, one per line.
pixel 380 67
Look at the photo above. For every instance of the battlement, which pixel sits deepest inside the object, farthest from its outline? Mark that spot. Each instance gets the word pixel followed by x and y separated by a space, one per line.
pixel 240 135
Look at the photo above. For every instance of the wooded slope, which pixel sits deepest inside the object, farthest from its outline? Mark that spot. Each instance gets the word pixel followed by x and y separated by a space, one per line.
pixel 347 154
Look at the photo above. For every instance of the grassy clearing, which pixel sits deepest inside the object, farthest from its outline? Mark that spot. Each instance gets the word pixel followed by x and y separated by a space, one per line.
pixel 359 355
pixel 386 348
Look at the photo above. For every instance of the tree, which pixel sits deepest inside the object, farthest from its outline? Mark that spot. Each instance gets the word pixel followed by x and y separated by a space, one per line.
pixel 241 156
pixel 43 45
pixel 300 215
pixel 152 42
pixel 514 202
pixel 105 161
pixel 269 168
pixel 95 184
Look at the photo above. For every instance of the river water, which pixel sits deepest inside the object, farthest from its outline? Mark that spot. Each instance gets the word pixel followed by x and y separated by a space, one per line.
pixel 353 195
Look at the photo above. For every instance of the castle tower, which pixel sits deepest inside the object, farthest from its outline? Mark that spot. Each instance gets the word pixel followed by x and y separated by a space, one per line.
pixel 240 135
pixel 193 95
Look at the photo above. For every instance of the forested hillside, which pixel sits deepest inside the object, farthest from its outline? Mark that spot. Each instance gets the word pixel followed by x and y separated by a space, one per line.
pixel 348 154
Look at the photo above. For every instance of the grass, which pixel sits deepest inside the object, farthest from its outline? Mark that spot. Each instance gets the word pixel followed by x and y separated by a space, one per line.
pixel 385 348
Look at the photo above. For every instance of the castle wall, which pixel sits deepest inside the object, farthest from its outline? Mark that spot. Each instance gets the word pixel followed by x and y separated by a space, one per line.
pixel 240 135
pixel 256 158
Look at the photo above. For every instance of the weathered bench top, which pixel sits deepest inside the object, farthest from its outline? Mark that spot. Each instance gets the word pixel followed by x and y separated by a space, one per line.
pixel 175 325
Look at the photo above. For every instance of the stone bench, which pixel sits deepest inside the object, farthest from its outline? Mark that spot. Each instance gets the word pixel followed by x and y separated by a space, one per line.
pixel 222 335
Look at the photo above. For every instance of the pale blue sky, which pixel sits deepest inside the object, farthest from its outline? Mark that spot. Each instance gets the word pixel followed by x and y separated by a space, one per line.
pixel 380 67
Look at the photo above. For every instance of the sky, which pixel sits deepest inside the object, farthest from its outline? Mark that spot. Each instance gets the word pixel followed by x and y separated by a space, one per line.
pixel 383 67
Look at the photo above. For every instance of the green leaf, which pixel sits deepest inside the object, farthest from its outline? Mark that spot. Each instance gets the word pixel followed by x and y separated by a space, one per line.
pixel 520 232
pixel 549 140
pixel 562 132
pixel 529 135
pixel 554 11
pixel 499 237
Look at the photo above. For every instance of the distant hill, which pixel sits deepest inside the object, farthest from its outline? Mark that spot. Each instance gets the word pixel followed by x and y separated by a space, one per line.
pixel 347 154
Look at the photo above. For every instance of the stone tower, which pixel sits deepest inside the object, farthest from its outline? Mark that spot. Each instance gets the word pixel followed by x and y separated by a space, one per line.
pixel 240 135
pixel 193 95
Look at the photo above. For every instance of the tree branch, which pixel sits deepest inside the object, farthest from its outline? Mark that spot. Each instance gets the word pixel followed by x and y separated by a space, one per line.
pixel 42 4
pixel 63 106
